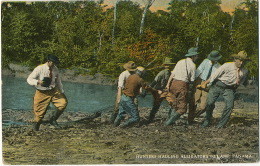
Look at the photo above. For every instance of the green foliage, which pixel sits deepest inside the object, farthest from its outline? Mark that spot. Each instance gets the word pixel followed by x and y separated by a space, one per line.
pixel 80 34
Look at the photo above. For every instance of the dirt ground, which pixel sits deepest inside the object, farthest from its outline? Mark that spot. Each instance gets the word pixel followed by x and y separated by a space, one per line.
pixel 96 141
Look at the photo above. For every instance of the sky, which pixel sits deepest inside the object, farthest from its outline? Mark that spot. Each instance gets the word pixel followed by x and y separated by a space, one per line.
pixel 227 5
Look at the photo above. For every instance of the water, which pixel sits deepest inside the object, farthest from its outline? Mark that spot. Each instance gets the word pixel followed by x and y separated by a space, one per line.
pixel 18 94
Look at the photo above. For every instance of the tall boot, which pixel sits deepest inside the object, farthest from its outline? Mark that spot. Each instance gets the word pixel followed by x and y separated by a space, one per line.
pixel 174 116
pixel 207 120
pixel 117 120
pixel 169 113
pixel 53 120
pixel 129 122
pixel 36 126
pixel 152 114
pixel 113 117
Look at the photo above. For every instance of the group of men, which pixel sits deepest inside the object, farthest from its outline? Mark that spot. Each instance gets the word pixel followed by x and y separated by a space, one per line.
pixel 203 86
pixel 207 83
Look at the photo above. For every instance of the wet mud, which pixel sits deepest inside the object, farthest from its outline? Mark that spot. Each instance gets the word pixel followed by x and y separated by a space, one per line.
pixel 92 139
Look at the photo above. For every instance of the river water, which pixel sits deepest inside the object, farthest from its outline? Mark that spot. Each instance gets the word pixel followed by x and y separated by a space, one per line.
pixel 18 94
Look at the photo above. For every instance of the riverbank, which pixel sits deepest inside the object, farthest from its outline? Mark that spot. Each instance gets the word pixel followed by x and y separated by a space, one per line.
pixel 68 75
pixel 91 139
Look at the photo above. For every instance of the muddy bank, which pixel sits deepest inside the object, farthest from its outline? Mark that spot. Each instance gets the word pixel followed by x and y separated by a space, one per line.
pixel 96 141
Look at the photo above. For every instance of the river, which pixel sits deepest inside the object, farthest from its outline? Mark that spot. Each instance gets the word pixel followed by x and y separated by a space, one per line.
pixel 18 94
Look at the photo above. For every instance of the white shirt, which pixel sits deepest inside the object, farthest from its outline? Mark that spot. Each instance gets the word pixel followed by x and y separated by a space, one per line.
pixel 122 78
pixel 227 74
pixel 204 68
pixel 42 71
pixel 184 70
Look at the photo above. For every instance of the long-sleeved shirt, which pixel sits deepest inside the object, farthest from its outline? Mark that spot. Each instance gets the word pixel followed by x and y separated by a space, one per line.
pixel 161 79
pixel 227 74
pixel 184 70
pixel 42 71
pixel 122 78
pixel 203 71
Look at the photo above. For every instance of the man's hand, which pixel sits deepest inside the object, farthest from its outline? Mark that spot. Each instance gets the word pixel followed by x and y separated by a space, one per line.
pixel 201 86
pixel 40 82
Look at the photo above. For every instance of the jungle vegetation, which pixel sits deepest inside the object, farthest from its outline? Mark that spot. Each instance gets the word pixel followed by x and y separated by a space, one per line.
pixel 91 37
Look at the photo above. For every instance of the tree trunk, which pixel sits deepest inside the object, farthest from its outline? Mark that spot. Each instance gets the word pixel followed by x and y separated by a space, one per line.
pixel 114 23
pixel 147 6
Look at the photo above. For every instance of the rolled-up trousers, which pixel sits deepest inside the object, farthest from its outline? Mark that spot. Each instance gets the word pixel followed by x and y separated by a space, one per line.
pixel 179 90
pixel 42 99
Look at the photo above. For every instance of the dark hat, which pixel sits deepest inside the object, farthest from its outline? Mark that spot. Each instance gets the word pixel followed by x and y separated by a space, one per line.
pixel 192 51
pixel 53 58
pixel 130 66
pixel 214 55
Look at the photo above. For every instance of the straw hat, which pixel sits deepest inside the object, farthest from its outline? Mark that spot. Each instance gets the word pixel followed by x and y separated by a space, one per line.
pixel 140 68
pixel 242 55
pixel 130 66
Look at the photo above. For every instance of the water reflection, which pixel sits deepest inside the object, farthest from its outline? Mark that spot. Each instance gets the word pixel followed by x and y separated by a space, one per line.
pixel 17 94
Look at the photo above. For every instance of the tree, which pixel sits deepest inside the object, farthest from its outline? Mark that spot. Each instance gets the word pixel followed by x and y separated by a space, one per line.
pixel 147 6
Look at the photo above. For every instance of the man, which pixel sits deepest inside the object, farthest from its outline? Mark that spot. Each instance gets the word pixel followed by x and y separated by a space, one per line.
pixel 130 68
pixel 127 104
pixel 224 82
pixel 203 72
pixel 159 83
pixel 182 75
pixel 49 88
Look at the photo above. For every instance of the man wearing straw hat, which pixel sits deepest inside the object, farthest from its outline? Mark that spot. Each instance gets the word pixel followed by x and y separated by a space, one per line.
pixel 203 72
pixel 130 68
pixel 159 83
pixel 225 81
pixel 182 75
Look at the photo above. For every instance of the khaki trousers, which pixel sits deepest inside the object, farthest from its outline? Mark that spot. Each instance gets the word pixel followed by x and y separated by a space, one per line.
pixel 198 101
pixel 42 99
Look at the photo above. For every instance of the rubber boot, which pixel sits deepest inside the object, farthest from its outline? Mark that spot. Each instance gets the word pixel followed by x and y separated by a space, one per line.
pixel 114 113
pixel 53 120
pixel 169 113
pixel 129 123
pixel 207 120
pixel 117 121
pixel 174 116
pixel 36 126
pixel 113 117
pixel 152 115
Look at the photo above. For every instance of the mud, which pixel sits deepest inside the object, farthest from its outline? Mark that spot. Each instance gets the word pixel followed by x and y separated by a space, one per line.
pixel 91 139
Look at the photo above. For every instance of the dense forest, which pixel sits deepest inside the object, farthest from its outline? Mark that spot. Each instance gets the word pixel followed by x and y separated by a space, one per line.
pixel 90 37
